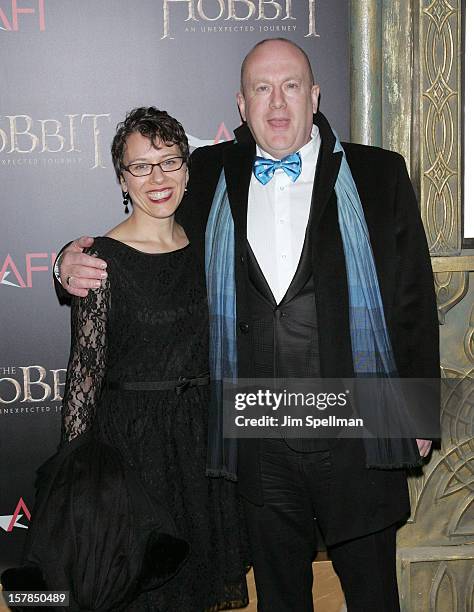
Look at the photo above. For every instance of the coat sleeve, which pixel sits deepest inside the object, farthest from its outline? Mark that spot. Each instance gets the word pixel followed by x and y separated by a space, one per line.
pixel 415 312
pixel 204 172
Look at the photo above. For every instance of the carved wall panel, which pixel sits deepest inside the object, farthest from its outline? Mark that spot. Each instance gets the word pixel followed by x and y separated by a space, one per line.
pixel 442 496
pixel 438 580
pixel 440 70
pixel 450 289
pixel 415 87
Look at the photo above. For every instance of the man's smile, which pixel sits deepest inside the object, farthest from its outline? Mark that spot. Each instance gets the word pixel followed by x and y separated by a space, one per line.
pixel 279 123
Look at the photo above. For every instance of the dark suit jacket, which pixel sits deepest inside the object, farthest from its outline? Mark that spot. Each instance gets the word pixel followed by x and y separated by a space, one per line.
pixel 367 500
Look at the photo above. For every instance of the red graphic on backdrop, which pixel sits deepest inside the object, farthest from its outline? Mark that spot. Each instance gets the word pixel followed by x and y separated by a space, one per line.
pixel 34 262
pixel 9 521
pixel 222 134
pixel 13 21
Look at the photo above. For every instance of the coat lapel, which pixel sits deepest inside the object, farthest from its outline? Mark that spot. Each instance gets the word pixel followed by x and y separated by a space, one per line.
pixel 327 170
pixel 257 277
pixel 238 161
pixel 303 270
pixel 328 261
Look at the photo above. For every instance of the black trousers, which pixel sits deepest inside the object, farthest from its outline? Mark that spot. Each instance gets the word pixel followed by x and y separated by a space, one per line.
pixel 283 538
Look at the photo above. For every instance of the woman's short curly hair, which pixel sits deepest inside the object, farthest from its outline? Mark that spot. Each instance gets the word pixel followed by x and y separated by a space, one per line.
pixel 152 123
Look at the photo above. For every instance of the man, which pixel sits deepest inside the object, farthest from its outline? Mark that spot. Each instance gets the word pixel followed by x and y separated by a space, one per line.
pixel 294 318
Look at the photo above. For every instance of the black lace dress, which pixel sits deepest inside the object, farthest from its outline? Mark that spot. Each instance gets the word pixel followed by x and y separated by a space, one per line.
pixel 127 495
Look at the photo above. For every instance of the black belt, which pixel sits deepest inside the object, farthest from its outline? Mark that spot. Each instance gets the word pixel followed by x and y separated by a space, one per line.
pixel 180 385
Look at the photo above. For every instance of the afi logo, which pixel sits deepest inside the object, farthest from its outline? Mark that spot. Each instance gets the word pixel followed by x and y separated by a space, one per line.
pixel 221 135
pixel 12 24
pixel 9 521
pixel 10 274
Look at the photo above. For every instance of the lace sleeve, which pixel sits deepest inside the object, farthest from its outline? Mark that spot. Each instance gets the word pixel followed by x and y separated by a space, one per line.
pixel 87 361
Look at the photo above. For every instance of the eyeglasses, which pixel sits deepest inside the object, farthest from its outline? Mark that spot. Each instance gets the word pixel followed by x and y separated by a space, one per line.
pixel 167 165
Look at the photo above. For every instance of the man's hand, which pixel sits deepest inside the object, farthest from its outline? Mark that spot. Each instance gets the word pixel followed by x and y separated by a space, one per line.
pixel 80 272
pixel 424 446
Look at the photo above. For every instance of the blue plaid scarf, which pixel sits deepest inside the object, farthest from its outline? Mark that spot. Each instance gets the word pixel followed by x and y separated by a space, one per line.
pixel 371 347
pixel 220 277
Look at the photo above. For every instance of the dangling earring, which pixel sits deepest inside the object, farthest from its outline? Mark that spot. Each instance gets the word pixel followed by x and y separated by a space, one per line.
pixel 125 196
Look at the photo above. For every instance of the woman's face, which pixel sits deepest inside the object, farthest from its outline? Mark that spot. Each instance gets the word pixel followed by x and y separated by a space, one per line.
pixel 160 193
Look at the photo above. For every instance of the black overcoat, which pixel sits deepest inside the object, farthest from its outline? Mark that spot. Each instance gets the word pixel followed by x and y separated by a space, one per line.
pixel 365 500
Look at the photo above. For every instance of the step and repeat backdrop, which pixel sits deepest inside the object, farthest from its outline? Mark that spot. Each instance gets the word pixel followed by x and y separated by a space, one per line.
pixel 69 71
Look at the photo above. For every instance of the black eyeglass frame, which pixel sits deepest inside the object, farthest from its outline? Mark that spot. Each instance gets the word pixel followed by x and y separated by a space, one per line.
pixel 127 168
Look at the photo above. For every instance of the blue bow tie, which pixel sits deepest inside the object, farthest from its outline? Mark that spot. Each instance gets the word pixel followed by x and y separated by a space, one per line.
pixel 264 168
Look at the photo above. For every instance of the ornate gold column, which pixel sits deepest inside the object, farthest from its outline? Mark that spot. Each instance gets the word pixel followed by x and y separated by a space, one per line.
pixel 440 110
pixel 382 74
pixel 419 71
pixel 366 18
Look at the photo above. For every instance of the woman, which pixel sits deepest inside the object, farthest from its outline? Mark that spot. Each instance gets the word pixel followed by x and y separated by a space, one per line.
pixel 126 497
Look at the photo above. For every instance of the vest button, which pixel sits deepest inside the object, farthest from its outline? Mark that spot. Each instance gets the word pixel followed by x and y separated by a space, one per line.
pixel 244 327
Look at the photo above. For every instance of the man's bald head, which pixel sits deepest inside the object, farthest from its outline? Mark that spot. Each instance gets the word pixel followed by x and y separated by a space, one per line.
pixel 269 41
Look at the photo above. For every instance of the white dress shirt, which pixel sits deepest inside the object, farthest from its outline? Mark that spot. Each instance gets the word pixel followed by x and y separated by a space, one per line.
pixel 277 218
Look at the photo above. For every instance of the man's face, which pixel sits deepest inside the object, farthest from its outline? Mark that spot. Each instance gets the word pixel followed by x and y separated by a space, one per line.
pixel 278 100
